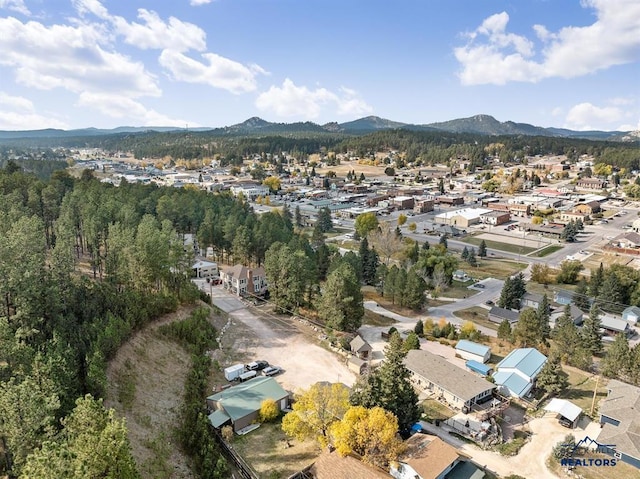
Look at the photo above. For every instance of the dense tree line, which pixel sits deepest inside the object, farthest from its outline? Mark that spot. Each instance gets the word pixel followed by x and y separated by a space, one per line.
pixel 83 266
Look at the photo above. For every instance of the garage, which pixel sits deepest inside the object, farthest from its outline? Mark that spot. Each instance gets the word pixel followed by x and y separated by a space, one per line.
pixel 569 413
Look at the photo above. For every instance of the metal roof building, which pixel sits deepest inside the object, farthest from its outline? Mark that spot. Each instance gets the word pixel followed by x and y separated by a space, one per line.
pixel 516 373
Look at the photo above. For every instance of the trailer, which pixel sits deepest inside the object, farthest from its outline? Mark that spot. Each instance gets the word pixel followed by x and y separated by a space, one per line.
pixel 233 372
pixel 248 375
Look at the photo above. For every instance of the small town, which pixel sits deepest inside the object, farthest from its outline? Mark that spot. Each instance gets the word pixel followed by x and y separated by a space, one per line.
pixel 314 239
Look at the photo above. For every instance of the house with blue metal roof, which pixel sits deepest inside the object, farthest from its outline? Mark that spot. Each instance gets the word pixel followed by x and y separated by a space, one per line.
pixel 516 374
pixel 631 314
pixel 473 351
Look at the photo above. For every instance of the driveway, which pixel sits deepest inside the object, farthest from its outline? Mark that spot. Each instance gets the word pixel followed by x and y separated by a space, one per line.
pixel 255 333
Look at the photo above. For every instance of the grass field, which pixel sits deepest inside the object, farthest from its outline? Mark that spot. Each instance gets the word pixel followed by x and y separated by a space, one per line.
pixel 509 247
pixel 581 387
pixel 459 291
pixel 265 449
pixel 370 294
pixel 620 470
pixel 375 319
pixel 547 250
pixel 607 259
pixel 495 268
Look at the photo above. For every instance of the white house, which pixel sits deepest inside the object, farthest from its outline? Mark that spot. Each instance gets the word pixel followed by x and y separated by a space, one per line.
pixel 250 190
pixel 205 269
pixel 631 314
pixel 473 351
pixel 516 374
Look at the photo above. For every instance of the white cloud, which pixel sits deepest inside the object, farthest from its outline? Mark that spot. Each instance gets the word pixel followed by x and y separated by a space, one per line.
pixel 291 100
pixel 70 57
pixel 15 5
pixel 216 71
pixel 586 116
pixel 118 106
pixel 18 113
pixel 494 56
pixel 197 3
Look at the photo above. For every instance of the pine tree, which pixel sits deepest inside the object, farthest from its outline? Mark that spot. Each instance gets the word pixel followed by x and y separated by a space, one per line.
pixel 618 358
pixel 506 294
pixel 482 249
pixel 471 257
pixel 581 295
pixel 526 334
pixel 552 378
pixel 597 277
pixel 412 342
pixel 504 330
pixel 414 290
pixel 298 216
pixel 426 246
pixel 363 252
pixel 443 241
pixel 413 253
pixel 441 186
pixel 389 387
pixel 465 253
pixel 592 338
pixel 370 268
pixel 317 237
pixel 399 287
pixel 324 219
pixel 390 283
pixel 543 315
pixel 341 303
pixel 419 328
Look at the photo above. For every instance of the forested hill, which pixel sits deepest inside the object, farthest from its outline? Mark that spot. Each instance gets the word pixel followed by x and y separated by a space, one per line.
pixel 83 266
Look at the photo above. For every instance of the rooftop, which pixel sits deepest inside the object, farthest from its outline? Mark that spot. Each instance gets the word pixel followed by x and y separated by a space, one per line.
pixel 449 377
pixel 467 213
pixel 429 455
pixel 622 404
pixel 244 399
pixel 471 347
pixel 529 361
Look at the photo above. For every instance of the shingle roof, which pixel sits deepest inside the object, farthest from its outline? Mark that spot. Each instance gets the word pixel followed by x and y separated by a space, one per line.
pixel 473 348
pixel 613 324
pixel 428 455
pixel 244 399
pixel 511 316
pixel 330 465
pixel 528 361
pixel 449 377
pixel 622 404
pixel 358 344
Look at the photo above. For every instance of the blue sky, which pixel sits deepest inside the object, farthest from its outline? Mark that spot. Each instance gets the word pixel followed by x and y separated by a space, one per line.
pixel 106 63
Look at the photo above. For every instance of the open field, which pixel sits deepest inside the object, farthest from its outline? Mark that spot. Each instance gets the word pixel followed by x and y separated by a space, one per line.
pixel 375 319
pixel 266 450
pixel 495 268
pixel 508 247
pixel 607 259
pixel 370 294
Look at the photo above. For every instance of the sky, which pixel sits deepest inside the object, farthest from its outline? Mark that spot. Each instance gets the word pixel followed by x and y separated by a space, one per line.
pixel 210 63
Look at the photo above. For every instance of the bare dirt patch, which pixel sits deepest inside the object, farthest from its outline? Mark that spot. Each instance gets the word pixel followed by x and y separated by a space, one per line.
pixel 145 385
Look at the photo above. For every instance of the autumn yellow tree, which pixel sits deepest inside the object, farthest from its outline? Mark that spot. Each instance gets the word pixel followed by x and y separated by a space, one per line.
pixel 273 182
pixel 370 433
pixel 402 219
pixel 268 410
pixel 315 410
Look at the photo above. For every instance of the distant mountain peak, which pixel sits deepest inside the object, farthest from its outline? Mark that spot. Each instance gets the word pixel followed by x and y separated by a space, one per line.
pixel 254 122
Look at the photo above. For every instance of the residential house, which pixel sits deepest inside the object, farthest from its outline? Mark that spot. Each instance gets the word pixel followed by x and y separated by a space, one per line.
pixel 205 269
pixel 429 457
pixel 591 183
pixel 516 374
pixel 243 280
pixel 588 208
pixel 239 405
pixel 497 315
pixel 576 315
pixel 460 275
pixel 434 374
pixel 473 351
pixel 631 314
pixel 360 347
pixel 563 297
pixel 250 190
pixel 531 300
pixel 495 218
pixel 357 366
pixel 620 421
pixel 613 326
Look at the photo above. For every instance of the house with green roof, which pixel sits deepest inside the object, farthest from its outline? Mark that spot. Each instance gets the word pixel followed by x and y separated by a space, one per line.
pixel 239 405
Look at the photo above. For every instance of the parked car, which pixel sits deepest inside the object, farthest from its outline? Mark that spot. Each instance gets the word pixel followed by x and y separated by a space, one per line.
pixel 565 422
pixel 489 302
pixel 479 285
pixel 271 370
pixel 257 365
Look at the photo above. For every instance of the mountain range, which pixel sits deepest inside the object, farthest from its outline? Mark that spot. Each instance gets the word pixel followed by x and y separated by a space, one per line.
pixel 478 124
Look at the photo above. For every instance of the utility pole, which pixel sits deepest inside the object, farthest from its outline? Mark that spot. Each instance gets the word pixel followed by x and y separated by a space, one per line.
pixel 595 392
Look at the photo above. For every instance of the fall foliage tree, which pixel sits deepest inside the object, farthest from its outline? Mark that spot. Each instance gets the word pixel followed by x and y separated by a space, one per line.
pixel 315 410
pixel 370 433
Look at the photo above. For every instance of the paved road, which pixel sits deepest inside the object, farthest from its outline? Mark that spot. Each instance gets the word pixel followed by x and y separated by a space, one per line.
pixel 491 291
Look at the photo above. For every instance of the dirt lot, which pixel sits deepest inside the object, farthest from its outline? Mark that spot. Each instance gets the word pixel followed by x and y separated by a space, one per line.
pixel 145 385
pixel 255 333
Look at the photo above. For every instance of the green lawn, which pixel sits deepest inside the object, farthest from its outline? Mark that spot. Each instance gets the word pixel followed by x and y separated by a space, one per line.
pixel 375 319
pixel 547 250
pixel 459 290
pixel 509 247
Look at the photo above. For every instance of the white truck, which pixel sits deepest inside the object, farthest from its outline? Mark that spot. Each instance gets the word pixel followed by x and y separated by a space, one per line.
pixel 233 372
